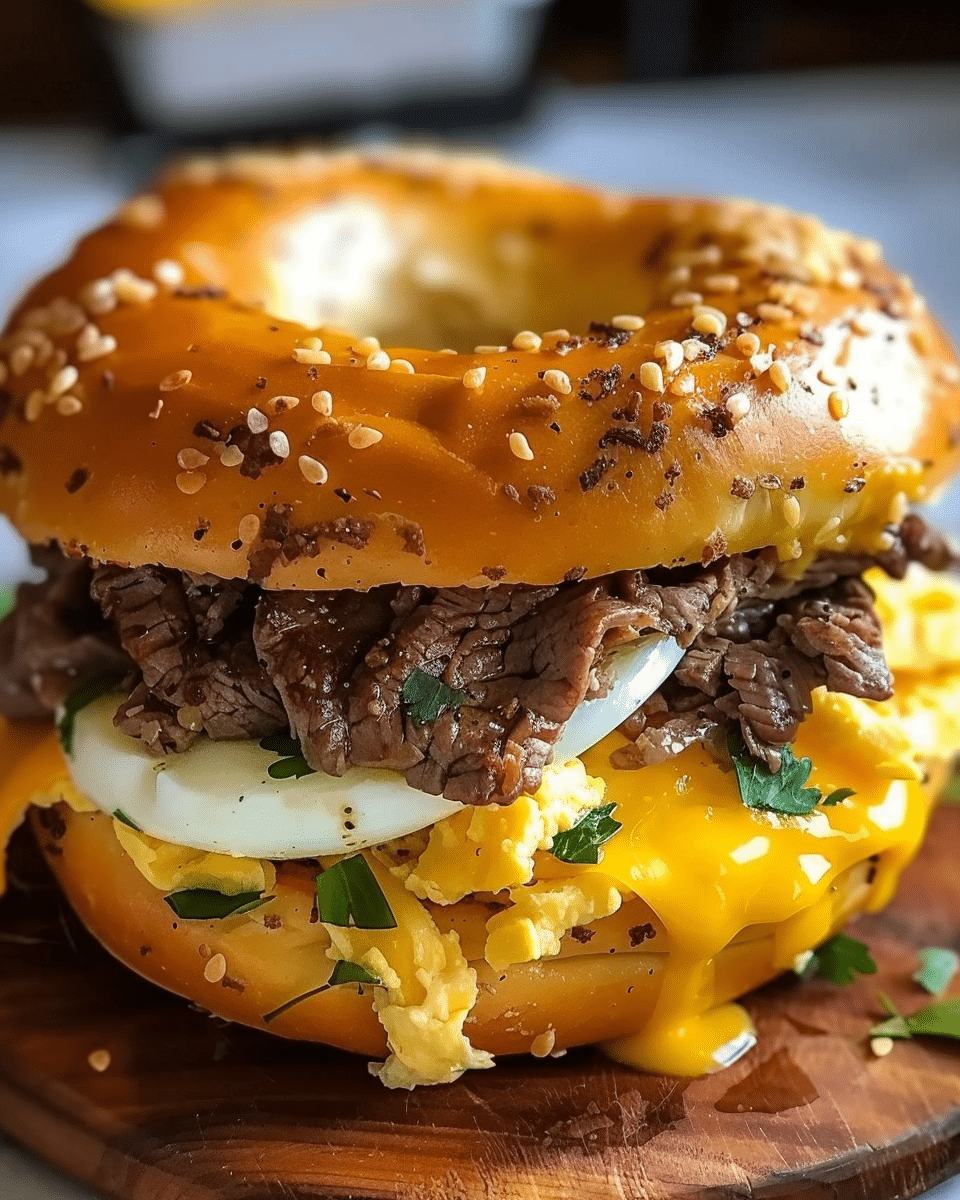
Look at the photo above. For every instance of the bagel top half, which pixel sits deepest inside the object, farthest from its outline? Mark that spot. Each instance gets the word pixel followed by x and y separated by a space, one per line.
pixel 332 370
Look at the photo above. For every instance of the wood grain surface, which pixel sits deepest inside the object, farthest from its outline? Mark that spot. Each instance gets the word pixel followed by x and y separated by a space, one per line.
pixel 191 1108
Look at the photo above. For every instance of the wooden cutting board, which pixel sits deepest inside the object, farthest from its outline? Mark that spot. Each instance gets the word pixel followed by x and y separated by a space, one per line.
pixel 191 1108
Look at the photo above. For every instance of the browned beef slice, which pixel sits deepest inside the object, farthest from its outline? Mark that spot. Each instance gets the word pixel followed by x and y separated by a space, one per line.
pixel 764 682
pixel 311 643
pixel 54 640
pixel 522 655
pixel 191 638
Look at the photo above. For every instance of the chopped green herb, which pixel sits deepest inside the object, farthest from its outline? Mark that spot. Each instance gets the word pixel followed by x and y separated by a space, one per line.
pixel 783 791
pixel 837 797
pixel 937 968
pixel 348 972
pixel 8 598
pixel 842 958
pixel 291 764
pixel 425 697
pixel 77 700
pixel 121 816
pixel 343 972
pixel 582 843
pixel 951 793
pixel 348 893
pixel 206 904
pixel 936 1020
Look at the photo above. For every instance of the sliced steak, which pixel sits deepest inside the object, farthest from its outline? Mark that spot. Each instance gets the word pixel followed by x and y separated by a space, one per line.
pixel 191 638
pixel 54 640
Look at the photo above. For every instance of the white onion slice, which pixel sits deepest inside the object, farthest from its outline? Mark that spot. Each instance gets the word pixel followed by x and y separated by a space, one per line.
pixel 635 673
pixel 218 796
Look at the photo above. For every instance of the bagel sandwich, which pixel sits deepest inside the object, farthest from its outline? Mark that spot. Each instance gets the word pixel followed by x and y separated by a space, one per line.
pixel 481 615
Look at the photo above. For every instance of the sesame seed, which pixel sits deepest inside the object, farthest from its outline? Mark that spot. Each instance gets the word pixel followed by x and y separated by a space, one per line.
pixel 312 470
pixel 378 360
pixel 692 349
pixel 722 283
pixel 860 325
pixel 780 376
pixel 558 381
pixel 774 312
pixel 748 344
pixel 628 322
pixel 685 299
pixel 35 404
pixel 447 350
pixel 363 436
pixel 281 404
pixel 367 345
pixel 520 447
pixel 156 410
pixel 526 339
pixel 651 377
pixel 475 377
pixel 703 256
pixel 313 343
pixel 683 385
pixel 559 335
pixel 314 358
pixel 248 528
pixel 829 376
pixel 838 405
pixel 322 402
pixel 489 349
pixel 280 443
pixel 257 421
pixel 898 508
pixel 792 549
pixel 143 212
pixel 948 373
pixel 99 1060
pixel 189 458
pixel 543 1043
pixel 98 297
pixel 130 289
pixel 21 360
pixel 104 345
pixel 671 353
pixel 216 969
pixel 677 276
pixel 64 317
pixel 738 405
pixel 63 381
pixel 175 380
pixel 190 482
pixel 847 277
pixel 168 273
pixel 709 321
pixel 231 456
pixel 403 365
pixel 881 1046
pixel 190 717
pixel 791 511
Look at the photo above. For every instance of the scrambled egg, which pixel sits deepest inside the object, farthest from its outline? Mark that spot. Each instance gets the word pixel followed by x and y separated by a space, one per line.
pixel 172 868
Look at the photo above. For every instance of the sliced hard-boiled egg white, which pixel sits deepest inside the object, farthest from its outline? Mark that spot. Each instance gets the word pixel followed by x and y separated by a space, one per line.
pixel 219 796
pixel 633 674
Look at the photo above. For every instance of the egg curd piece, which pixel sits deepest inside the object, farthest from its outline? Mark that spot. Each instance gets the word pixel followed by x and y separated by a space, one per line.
pixel 427 990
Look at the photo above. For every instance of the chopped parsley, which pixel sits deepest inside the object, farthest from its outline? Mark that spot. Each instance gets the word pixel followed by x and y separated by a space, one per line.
pixel 206 904
pixel 937 968
pixel 783 791
pixel 343 972
pixel 8 598
pixel 841 959
pixel 582 843
pixel 936 1020
pixel 119 815
pixel 291 764
pixel 425 697
pixel 348 894
pixel 78 700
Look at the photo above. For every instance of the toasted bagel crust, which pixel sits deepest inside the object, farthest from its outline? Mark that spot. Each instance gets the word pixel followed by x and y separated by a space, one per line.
pixel 755 379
